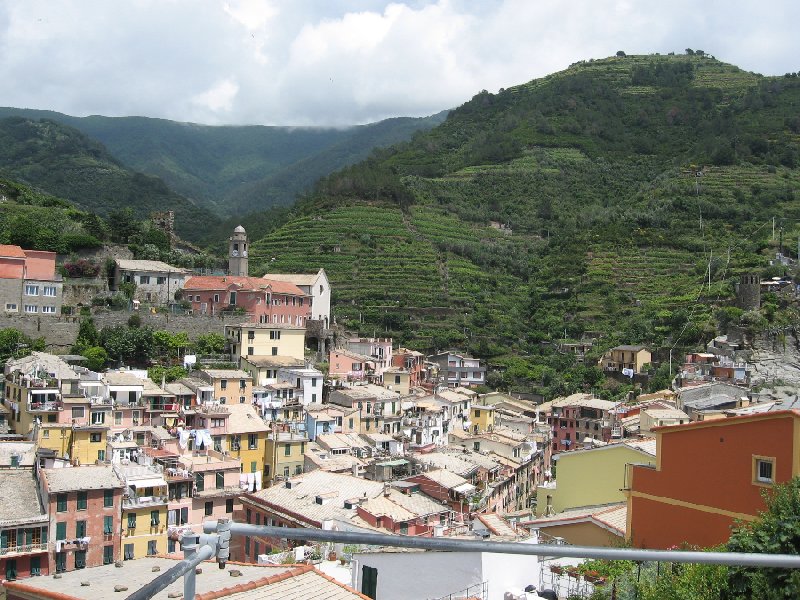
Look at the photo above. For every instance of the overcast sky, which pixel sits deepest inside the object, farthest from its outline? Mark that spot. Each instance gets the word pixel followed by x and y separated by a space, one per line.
pixel 341 62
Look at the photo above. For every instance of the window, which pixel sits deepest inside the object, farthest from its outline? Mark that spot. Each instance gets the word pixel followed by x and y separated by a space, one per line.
pixel 31 308
pixel 170 546
pixel 251 351
pixel 249 516
pixel 764 470
pixel 287 449
pixel 223 384
pixel 144 278
pixel 476 446
pixel 161 280
pixel 286 471
pixel 128 552
pixel 61 503
pixel 369 580
pixel 256 548
pixel 220 480
pixel 258 519
pixel 108 498
pixel 117 418
pixel 80 529
pixel 242 399
pixel 78 412
pixel 98 418
pixel 80 559
pixel 397 378
pixel 229 505
pixel 200 481
pixel 152 547
pixel 45 433
pixel 131 520
pixel 49 290
pixel 61 530
pixel 61 562
pixel 31 290
pixel 209 508
pixel 108 525
pixel 298 469
pixel 11 307
pixel 274 335
pixel 36 565
pixel 11 569
pixel 232 299
pixel 247 545
pixel 95 437
pixel 274 351
pixel 253 466
pixel 216 297
pixel 82 497
pixel 403 528
pixel 49 310
pixel 108 555
pixel 252 441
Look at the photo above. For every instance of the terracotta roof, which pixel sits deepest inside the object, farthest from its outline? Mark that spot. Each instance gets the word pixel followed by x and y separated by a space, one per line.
pixel 7 251
pixel 610 516
pixel 223 282
pixel 295 278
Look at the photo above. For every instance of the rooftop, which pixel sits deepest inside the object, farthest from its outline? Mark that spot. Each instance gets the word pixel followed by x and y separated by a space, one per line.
pixel 295 278
pixel 20 499
pixel 300 500
pixel 8 251
pixel 148 265
pixel 402 507
pixel 42 362
pixel 273 361
pixel 244 418
pixel 257 582
pixel 612 517
pixel 24 451
pixel 88 477
pixel 448 480
pixel 227 373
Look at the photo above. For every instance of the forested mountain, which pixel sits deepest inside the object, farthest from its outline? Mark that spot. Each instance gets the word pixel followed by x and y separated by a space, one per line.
pixel 626 195
pixel 64 162
pixel 235 170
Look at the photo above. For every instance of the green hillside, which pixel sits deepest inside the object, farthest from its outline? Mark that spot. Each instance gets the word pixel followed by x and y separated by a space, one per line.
pixel 612 231
pixel 229 169
pixel 66 163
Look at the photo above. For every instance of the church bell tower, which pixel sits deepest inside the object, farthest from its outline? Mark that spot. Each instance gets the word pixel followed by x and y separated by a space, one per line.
pixel 237 252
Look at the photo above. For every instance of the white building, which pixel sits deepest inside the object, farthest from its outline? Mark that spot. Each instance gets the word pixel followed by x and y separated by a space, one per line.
pixel 315 285
pixel 156 282
pixel 306 381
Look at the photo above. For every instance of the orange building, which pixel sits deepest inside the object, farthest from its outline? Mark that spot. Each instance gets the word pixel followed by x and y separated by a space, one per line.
pixel 707 475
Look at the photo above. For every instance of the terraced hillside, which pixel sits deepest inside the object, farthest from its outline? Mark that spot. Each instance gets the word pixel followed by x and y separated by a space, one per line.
pixel 618 200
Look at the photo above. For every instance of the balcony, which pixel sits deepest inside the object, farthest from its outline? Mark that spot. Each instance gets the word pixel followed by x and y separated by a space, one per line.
pixel 45 406
pixel 143 501
pixel 13 551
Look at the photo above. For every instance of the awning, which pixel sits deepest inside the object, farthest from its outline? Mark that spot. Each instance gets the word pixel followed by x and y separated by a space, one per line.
pixel 145 483
pixel 464 488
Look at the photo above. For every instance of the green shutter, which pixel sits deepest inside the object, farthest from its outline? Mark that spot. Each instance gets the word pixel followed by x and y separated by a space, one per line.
pixel 108 498
pixel 369 581
pixel 108 525
pixel 4 539
pixel 61 531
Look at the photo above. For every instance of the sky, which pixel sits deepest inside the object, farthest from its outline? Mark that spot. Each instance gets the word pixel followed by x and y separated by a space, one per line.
pixel 345 62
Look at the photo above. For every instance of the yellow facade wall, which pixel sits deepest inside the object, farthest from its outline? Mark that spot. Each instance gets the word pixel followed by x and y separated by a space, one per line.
pixel 144 532
pixel 247 455
pixel 57 439
pixel 87 451
pixel 589 478
pixel 482 417
pixel 584 534
pixel 279 460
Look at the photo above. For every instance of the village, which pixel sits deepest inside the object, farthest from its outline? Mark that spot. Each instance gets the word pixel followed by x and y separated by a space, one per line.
pixel 110 470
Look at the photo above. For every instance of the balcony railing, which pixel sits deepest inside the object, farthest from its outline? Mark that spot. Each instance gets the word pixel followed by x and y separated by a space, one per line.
pixel 24 549
pixel 143 501
pixel 47 406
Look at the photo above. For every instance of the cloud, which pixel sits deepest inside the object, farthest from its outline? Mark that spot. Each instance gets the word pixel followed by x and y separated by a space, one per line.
pixel 353 61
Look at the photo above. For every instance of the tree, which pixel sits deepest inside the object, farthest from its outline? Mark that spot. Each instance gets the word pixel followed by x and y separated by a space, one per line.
pixel 96 357
pixel 122 224
pixel 210 343
pixel 776 531
pixel 621 53
pixel 87 336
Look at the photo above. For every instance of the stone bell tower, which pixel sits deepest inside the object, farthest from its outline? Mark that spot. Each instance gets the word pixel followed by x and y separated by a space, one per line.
pixel 237 252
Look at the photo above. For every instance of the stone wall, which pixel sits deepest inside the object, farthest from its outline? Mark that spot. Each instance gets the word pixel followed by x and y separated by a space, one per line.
pixel 60 332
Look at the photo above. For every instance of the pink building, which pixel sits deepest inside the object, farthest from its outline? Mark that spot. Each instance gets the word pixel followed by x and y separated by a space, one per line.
pixel 412 361
pixel 350 366
pixel 378 349
pixel 264 300
pixel 28 282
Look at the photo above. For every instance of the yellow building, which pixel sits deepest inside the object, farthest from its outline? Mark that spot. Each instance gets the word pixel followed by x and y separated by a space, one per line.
pixel 592 477
pixel 56 437
pixel 231 386
pixel 254 339
pixel 589 526
pixel 144 511
pixel 482 418
pixel 285 455
pixel 246 437
pixel 398 380
pixel 89 443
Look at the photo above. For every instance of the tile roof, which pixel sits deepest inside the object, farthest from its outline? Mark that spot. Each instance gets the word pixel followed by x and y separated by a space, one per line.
pixel 244 418
pixel 585 400
pixel 273 361
pixel 43 361
pixel 257 582
pixel 227 373
pixel 295 278
pixel 609 516
pixel 88 477
pixel 496 524
pixel 148 265
pixel 647 445
pixel 446 478
pixel 20 498
pixel 403 507
pixel 223 282
pixel 300 500
pixel 8 251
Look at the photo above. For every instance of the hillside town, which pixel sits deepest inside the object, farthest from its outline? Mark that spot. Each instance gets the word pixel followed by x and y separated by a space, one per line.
pixel 302 426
